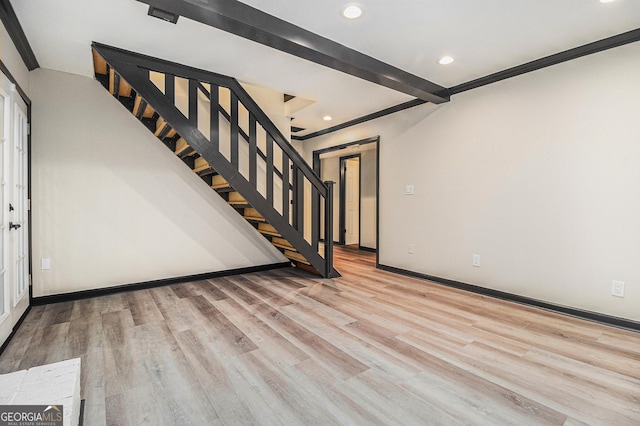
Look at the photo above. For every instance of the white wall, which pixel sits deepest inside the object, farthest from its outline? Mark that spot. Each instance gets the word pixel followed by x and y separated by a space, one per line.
pixel 112 205
pixel 538 174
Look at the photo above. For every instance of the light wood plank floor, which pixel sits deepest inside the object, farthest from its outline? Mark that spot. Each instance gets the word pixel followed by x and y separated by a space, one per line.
pixel 284 347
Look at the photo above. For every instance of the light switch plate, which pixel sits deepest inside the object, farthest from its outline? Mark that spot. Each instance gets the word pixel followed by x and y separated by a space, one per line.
pixel 46 263
pixel 409 190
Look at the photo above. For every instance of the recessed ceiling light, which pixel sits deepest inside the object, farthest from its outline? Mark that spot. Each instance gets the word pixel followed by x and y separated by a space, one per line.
pixel 446 60
pixel 327 118
pixel 352 11
pixel 606 1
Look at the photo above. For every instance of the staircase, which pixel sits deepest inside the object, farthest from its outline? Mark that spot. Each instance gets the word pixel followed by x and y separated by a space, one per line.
pixel 212 124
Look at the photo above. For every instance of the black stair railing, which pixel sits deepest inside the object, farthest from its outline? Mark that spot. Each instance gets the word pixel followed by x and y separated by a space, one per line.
pixel 247 150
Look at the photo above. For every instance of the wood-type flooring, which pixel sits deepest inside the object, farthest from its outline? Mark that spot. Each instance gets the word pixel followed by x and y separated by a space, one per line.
pixel 284 347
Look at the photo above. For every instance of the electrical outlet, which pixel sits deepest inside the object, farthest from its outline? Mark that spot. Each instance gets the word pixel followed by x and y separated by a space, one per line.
pixel 476 260
pixel 617 289
pixel 410 249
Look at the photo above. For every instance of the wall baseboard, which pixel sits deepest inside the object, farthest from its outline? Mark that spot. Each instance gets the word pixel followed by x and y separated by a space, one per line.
pixel 335 243
pixel 15 329
pixel 566 310
pixel 369 249
pixel 86 294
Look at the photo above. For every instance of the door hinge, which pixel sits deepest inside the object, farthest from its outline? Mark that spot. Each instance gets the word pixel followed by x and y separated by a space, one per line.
pixel 28 204
pixel 28 128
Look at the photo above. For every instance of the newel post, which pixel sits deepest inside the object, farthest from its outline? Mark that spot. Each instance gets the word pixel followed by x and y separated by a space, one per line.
pixel 328 229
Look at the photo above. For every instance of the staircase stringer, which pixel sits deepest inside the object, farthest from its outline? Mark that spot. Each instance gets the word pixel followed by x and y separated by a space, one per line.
pixel 137 77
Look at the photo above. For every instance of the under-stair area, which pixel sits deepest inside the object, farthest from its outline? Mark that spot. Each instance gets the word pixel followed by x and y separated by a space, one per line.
pixel 211 123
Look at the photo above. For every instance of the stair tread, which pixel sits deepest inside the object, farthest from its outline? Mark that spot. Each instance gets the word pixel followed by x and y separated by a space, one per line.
pixel 235 199
pixel 159 125
pixel 125 88
pixel 296 256
pixel 201 165
pixel 207 171
pixel 163 127
pixel 148 111
pixel 281 242
pixel 267 232
pixel 283 246
pixel 221 186
pixel 253 215
pixel 112 80
pixel 188 152
pixel 136 104
pixel 99 64
pixel 219 183
pixel 181 146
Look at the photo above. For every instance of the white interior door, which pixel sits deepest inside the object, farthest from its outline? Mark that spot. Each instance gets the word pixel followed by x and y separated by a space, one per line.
pixel 5 285
pixel 352 204
pixel 19 226
pixel 14 205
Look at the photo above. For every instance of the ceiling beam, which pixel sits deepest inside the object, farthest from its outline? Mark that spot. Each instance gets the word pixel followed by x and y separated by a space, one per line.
pixel 360 120
pixel 13 27
pixel 245 21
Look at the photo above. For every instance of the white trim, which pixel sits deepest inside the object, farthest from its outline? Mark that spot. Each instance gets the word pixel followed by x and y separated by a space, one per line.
pixel 6 316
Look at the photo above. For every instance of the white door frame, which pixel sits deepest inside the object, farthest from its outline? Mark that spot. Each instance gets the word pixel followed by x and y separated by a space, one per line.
pixel 20 200
pixel 14 199
pixel 6 323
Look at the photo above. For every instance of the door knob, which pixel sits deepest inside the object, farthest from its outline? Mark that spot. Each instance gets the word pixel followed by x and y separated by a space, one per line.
pixel 14 226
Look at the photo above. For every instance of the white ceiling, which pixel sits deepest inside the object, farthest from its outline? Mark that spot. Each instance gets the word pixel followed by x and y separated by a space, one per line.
pixel 484 37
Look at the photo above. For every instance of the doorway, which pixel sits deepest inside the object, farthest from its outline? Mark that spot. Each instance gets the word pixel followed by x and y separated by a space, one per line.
pixel 354 166
pixel 14 206
pixel 350 185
